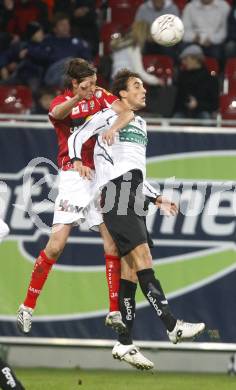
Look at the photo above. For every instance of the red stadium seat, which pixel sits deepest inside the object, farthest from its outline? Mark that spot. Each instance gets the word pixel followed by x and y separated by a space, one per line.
pixel 15 99
pixel 123 11
pixel 230 68
pixel 212 65
pixel 160 65
pixel 230 76
pixel 228 106
pixel 180 4
pixel 107 30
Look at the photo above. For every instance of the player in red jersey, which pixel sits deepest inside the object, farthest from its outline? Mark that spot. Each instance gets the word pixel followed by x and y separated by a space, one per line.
pixel 80 99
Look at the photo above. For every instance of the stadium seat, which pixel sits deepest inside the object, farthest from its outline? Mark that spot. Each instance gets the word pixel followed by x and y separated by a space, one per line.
pixel 160 65
pixel 15 99
pixel 123 11
pixel 228 106
pixel 212 65
pixel 107 30
pixel 180 4
pixel 230 76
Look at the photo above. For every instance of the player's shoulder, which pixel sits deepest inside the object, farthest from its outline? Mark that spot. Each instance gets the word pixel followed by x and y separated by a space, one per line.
pixel 101 92
pixel 139 120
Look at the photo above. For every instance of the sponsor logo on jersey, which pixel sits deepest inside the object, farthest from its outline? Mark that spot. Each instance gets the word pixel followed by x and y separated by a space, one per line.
pixel 92 104
pixel 98 94
pixel 84 107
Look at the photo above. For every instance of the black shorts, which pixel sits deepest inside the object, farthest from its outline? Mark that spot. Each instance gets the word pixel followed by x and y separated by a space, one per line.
pixel 128 229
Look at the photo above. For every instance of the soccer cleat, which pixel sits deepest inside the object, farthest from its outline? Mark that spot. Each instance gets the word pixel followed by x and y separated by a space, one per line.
pixel 24 318
pixel 131 354
pixel 114 321
pixel 185 331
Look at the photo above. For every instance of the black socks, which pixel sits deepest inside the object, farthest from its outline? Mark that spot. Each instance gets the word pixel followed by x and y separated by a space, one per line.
pixel 152 290
pixel 127 308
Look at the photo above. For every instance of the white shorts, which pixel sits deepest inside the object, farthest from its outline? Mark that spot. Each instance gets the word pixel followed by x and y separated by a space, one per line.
pixel 4 230
pixel 74 203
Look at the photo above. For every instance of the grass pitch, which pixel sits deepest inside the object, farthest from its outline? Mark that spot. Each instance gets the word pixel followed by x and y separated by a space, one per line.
pixel 61 379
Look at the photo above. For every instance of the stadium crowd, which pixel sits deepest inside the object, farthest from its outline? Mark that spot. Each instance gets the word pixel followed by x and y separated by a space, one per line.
pixel 37 37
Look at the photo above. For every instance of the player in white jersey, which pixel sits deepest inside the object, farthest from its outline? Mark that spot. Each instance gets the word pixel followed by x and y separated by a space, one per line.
pixel 120 172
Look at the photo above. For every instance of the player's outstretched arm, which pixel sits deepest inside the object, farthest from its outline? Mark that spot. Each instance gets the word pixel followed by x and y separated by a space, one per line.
pixel 124 117
pixel 62 110
pixel 164 204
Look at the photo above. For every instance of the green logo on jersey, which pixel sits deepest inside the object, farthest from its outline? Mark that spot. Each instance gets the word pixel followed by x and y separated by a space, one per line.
pixel 132 133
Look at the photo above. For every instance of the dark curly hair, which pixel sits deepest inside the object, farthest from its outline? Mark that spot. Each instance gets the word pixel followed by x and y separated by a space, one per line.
pixel 78 69
pixel 120 80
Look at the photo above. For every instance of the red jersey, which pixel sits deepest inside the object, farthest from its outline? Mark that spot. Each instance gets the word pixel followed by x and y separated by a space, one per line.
pixel 65 127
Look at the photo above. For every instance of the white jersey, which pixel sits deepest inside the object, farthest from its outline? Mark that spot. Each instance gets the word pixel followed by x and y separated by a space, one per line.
pixel 127 153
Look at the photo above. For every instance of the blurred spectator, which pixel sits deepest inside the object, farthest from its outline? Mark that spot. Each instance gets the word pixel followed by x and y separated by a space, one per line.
pixel 151 9
pixel 127 52
pixel 230 46
pixel 27 60
pixel 84 23
pixel 63 46
pixel 26 11
pixel 197 91
pixel 43 100
pixel 205 23
pixel 83 19
pixel 6 13
pixel 148 12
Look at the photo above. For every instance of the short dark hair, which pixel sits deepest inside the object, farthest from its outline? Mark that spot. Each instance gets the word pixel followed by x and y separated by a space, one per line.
pixel 121 79
pixel 78 69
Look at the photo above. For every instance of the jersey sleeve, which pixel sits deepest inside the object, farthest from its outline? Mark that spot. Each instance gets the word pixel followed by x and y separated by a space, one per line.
pixel 106 99
pixel 99 122
pixel 149 191
pixel 57 100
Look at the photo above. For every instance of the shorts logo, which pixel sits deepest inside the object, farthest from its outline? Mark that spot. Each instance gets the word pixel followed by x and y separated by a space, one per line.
pixel 64 205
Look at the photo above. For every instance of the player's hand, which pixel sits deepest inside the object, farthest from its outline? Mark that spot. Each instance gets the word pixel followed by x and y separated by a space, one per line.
pixel 84 90
pixel 192 103
pixel 108 137
pixel 169 208
pixel 84 172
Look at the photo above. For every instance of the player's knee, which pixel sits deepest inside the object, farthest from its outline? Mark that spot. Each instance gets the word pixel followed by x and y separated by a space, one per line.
pixel 129 274
pixel 4 230
pixel 110 248
pixel 54 248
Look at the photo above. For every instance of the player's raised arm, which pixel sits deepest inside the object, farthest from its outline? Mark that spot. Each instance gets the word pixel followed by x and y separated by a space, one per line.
pixel 124 117
pixel 124 114
pixel 63 109
pixel 96 125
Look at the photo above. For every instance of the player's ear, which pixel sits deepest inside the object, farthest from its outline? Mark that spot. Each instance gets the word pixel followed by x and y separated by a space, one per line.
pixel 74 83
pixel 123 93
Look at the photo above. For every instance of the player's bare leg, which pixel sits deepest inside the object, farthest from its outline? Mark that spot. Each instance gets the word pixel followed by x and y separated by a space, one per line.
pixel 42 267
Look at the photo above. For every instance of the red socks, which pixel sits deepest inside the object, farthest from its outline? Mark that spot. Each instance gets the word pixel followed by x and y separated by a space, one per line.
pixel 113 267
pixel 39 276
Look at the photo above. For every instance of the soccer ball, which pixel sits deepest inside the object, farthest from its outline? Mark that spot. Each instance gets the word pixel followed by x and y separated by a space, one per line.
pixel 167 30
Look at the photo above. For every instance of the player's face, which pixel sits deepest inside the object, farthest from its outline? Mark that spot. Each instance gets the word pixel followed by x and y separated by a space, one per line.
pixel 87 86
pixel 136 93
